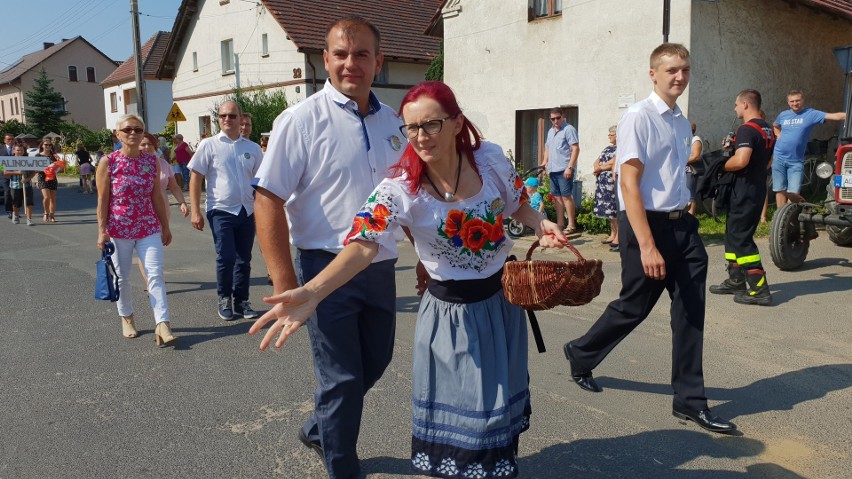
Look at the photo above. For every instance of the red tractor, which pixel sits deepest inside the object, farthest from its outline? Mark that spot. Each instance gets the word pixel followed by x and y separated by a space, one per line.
pixel 794 224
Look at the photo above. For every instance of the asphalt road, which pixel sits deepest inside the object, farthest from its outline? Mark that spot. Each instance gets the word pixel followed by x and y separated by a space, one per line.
pixel 78 400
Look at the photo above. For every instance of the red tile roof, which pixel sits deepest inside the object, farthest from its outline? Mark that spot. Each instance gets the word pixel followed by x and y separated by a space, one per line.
pixel 153 52
pixel 401 22
pixel 841 8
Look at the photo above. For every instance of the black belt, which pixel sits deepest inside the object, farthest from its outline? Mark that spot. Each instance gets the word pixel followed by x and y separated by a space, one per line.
pixel 318 252
pixel 474 290
pixel 667 215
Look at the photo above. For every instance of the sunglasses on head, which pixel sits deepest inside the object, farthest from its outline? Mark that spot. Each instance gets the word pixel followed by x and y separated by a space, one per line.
pixel 128 130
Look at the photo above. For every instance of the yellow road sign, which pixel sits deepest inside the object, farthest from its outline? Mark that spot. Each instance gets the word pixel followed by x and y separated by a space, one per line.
pixel 175 114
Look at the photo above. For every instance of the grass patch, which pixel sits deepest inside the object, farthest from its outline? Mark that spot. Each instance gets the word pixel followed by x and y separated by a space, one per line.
pixel 709 228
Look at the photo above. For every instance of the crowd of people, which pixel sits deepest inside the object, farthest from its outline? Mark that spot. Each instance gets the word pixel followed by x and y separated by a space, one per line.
pixel 426 173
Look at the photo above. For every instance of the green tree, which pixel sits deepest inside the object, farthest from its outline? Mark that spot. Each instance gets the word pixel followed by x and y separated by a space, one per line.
pixel 264 105
pixel 436 68
pixel 43 106
pixel 14 127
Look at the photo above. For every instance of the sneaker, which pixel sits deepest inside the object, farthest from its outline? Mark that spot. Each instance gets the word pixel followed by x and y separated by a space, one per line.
pixel 16 219
pixel 242 309
pixel 728 287
pixel 29 222
pixel 225 310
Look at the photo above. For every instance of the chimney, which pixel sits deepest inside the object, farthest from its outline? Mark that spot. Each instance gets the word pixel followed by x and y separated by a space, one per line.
pixel 64 40
pixel 47 45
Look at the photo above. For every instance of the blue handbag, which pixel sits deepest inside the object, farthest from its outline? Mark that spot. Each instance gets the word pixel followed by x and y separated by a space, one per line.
pixel 106 284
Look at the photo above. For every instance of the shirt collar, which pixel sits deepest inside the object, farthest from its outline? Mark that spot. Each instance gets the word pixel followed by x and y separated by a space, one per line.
pixel 661 106
pixel 344 101
pixel 221 136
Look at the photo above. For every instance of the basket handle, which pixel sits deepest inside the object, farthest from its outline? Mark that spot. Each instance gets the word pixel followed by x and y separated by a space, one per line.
pixel 567 243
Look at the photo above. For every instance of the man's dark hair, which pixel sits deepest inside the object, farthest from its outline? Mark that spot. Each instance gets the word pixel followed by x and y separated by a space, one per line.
pixel 557 110
pixel 795 92
pixel 752 97
pixel 351 23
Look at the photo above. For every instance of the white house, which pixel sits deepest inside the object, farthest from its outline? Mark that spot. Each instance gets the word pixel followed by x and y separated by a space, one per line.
pixel 219 45
pixel 119 88
pixel 510 61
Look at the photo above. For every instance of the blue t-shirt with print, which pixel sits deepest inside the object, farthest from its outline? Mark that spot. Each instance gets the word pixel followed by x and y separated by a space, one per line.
pixel 795 131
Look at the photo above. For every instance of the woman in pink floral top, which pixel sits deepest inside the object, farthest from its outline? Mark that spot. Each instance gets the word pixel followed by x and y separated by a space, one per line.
pixel 132 214
pixel 470 399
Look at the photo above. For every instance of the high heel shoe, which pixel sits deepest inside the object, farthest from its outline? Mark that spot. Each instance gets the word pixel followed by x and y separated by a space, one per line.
pixel 128 329
pixel 52 218
pixel 163 335
pixel 45 217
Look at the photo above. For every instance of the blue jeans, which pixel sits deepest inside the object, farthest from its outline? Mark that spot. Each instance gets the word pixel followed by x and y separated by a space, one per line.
pixel 184 171
pixel 352 338
pixel 233 237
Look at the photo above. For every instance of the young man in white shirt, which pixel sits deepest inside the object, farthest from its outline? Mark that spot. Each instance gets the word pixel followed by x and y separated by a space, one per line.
pixel 660 246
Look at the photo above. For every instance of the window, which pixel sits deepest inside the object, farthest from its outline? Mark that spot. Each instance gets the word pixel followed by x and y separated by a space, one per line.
pixel 17 107
pixel 264 45
pixel 544 8
pixel 90 74
pixel 195 61
pixel 72 73
pixel 228 56
pixel 382 76
pixel 205 127
pixel 113 102
pixel 3 112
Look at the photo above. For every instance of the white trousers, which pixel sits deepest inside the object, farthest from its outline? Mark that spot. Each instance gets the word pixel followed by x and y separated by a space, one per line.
pixel 150 252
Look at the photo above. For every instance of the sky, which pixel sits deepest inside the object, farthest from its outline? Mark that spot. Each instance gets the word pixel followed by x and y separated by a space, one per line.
pixel 103 23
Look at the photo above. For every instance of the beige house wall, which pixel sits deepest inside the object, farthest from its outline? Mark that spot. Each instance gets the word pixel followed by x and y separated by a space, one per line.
pixel 590 57
pixel 783 48
pixel 83 99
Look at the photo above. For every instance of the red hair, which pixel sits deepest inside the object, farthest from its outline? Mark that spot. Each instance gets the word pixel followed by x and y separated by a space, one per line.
pixel 153 139
pixel 468 139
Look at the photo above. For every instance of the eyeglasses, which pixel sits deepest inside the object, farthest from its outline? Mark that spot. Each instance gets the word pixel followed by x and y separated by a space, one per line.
pixel 230 116
pixel 128 130
pixel 431 127
pixel 554 118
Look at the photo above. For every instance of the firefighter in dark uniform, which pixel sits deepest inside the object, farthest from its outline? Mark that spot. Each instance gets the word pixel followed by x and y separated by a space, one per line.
pixel 749 161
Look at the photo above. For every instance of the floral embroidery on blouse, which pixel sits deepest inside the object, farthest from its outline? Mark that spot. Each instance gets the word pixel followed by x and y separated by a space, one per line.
pixel 369 224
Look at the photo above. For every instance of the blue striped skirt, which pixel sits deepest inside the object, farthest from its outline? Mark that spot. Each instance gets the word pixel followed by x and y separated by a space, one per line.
pixel 470 388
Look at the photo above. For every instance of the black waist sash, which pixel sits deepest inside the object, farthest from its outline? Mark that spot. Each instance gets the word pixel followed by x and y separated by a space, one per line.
pixel 475 290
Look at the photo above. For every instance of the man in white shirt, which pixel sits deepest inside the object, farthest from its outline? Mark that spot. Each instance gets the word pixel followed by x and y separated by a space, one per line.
pixel 660 246
pixel 228 162
pixel 325 156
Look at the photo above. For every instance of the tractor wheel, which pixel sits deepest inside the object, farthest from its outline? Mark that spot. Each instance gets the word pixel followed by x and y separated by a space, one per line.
pixel 839 235
pixel 515 228
pixel 787 245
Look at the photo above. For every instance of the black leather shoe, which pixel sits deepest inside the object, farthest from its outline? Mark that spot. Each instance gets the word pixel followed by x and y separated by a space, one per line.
pixel 316 447
pixel 705 419
pixel 584 379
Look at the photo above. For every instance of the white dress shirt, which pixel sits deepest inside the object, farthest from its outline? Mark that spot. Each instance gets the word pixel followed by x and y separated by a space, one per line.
pixel 659 137
pixel 324 159
pixel 228 167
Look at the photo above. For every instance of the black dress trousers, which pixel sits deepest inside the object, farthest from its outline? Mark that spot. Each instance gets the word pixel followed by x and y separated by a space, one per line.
pixel 686 278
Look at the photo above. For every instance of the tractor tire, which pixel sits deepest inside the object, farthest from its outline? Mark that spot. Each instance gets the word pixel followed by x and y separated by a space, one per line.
pixel 787 245
pixel 515 228
pixel 839 235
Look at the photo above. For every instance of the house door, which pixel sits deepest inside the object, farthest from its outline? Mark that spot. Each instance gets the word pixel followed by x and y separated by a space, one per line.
pixel 531 128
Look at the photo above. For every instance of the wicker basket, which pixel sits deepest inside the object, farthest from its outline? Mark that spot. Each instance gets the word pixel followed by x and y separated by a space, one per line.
pixel 538 285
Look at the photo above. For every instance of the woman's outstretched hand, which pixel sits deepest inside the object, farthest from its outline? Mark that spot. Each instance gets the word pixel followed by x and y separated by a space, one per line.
pixel 292 308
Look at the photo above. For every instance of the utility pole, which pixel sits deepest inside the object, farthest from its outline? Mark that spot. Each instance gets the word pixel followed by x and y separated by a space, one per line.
pixel 137 53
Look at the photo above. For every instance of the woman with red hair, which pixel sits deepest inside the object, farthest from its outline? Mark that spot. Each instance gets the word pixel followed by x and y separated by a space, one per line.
pixel 451 191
